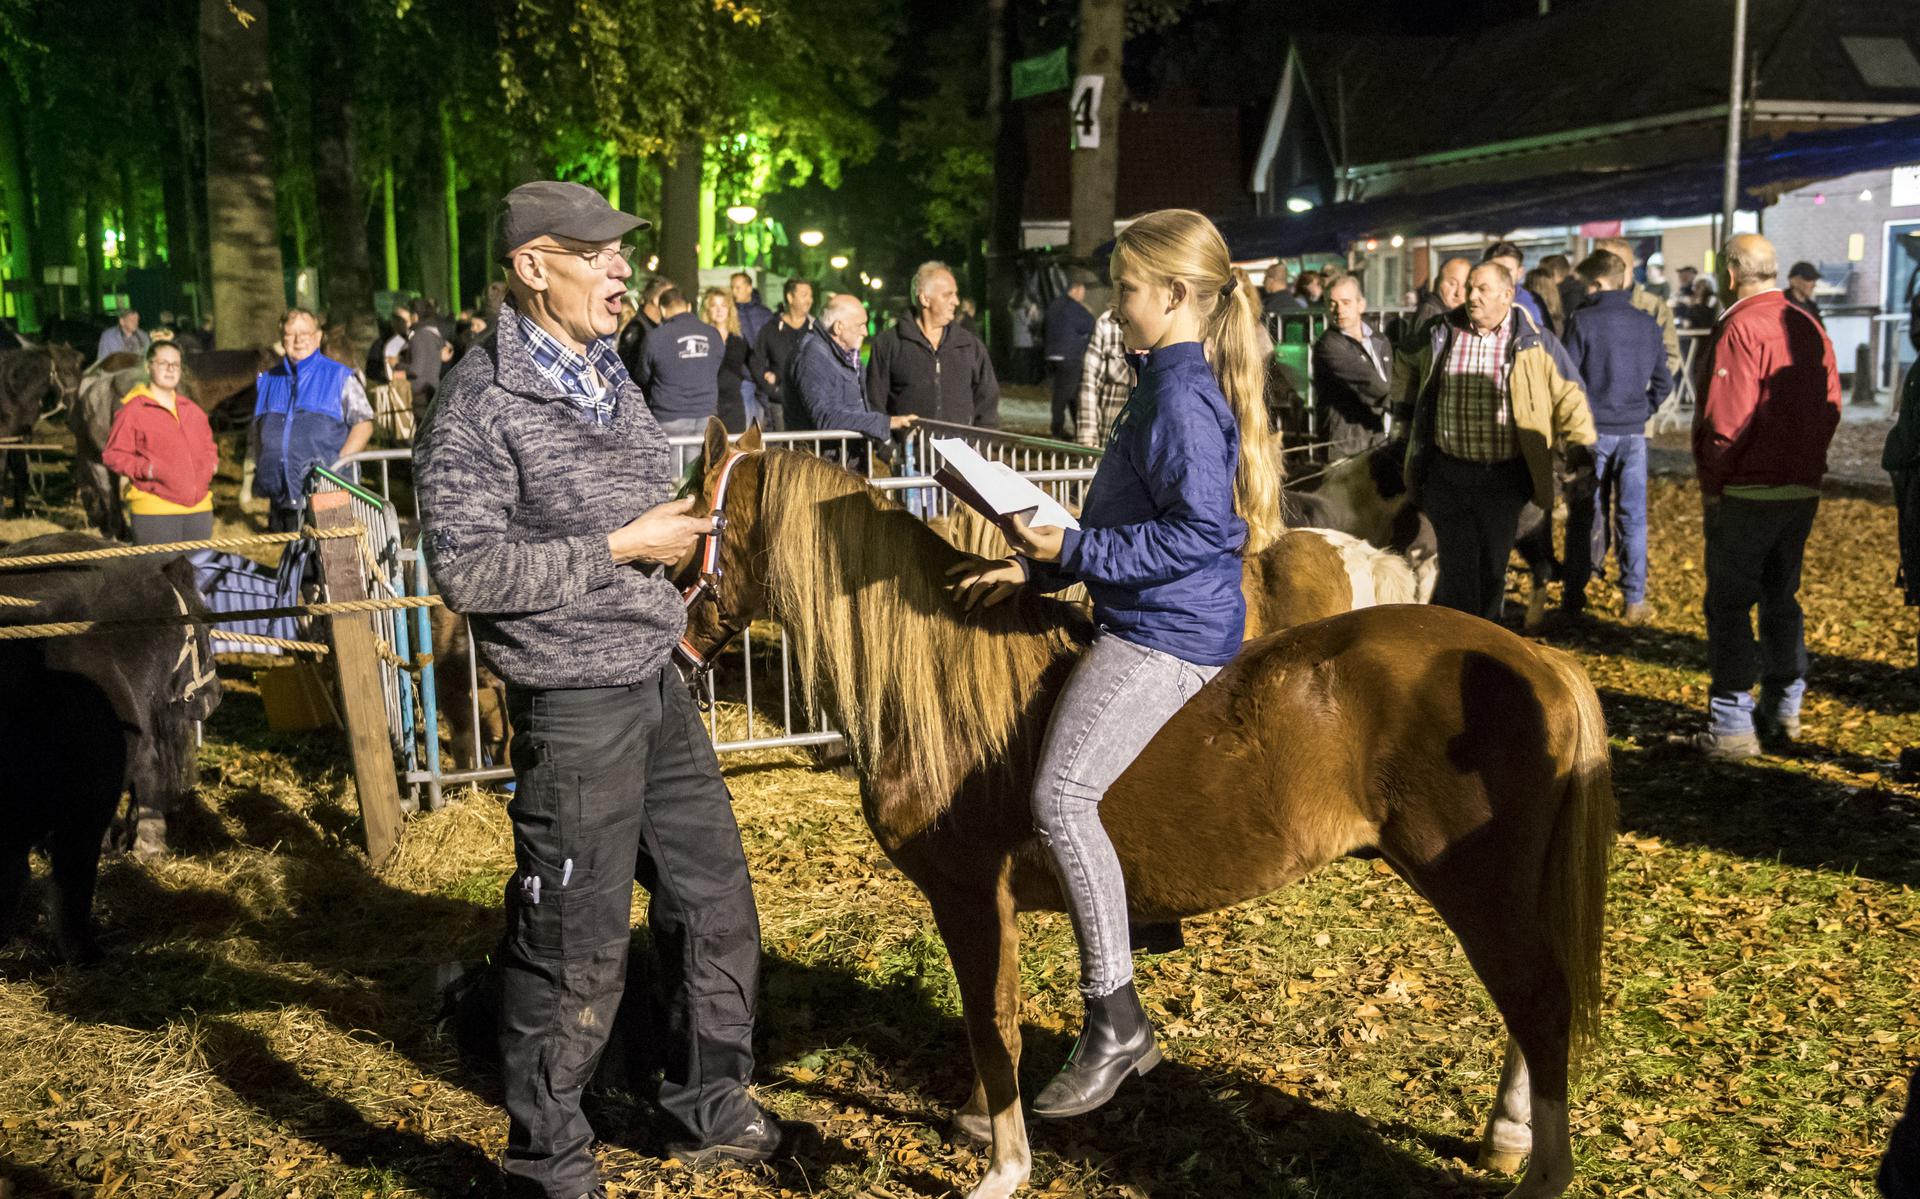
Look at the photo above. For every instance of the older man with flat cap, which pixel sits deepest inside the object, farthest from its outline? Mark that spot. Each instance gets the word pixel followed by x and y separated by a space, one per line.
pixel 545 501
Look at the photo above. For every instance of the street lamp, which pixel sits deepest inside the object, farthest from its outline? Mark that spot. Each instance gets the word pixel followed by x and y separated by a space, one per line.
pixel 742 214
pixel 1299 204
pixel 878 283
pixel 811 238
pixel 838 262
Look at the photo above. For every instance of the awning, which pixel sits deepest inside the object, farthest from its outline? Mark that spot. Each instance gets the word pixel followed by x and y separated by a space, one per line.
pixel 1768 167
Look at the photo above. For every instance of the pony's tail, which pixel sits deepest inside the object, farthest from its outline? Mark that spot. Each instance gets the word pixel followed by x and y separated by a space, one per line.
pixel 1241 353
pixel 1574 883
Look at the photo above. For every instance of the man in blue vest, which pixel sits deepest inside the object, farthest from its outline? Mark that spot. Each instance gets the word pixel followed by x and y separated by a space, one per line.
pixel 309 411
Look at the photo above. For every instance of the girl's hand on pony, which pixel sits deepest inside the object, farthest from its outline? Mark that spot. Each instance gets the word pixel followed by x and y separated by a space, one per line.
pixel 984 582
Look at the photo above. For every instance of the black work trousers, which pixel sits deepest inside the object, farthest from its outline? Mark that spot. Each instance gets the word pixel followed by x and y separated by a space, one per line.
pixel 1475 510
pixel 618 784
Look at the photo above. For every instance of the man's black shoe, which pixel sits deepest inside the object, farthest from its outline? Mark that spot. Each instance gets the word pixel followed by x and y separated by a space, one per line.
pixel 765 1138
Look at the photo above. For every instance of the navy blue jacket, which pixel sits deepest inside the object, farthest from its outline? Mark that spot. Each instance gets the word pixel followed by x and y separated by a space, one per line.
pixel 1620 355
pixel 1159 541
pixel 680 368
pixel 1069 326
pixel 825 389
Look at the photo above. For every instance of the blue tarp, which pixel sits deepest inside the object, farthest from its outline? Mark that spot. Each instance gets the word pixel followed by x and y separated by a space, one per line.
pixel 1768 166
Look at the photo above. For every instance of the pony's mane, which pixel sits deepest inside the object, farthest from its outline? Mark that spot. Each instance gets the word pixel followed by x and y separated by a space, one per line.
pixel 861 585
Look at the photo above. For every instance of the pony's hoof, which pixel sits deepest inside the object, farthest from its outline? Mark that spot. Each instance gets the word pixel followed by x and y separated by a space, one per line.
pixel 973 1126
pixel 1000 1182
pixel 1500 1161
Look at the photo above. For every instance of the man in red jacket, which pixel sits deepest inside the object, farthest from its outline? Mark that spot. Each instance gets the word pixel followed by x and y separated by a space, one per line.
pixel 1760 439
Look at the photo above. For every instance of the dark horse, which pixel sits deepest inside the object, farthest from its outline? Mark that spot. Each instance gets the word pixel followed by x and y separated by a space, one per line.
pixel 1473 761
pixel 87 719
pixel 32 382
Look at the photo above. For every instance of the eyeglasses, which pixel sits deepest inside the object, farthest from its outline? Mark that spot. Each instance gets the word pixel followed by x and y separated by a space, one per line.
pixel 597 259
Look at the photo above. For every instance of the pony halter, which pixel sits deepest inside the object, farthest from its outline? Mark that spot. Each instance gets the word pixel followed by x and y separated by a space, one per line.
pixel 706 583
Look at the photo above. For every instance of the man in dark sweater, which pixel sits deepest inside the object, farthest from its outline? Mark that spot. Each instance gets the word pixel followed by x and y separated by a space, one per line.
pixel 930 367
pixel 544 502
pixel 680 368
pixel 1623 359
pixel 1069 327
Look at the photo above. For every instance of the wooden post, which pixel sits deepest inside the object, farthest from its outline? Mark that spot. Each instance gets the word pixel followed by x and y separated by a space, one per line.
pixel 362 697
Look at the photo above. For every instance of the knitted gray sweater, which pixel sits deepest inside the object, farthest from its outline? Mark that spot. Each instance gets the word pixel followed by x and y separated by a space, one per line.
pixel 517 495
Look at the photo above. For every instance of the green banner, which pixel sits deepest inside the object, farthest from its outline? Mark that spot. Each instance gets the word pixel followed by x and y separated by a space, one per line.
pixel 1040 74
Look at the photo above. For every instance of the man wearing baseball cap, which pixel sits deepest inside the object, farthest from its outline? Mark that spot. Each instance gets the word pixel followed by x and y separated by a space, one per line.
pixel 544 492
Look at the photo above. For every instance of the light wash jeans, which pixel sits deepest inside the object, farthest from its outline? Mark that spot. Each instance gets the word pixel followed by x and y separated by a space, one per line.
pixel 1114 702
pixel 1620 470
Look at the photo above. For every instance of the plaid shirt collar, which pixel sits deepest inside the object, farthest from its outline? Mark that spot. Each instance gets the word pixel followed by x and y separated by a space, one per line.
pixel 573 374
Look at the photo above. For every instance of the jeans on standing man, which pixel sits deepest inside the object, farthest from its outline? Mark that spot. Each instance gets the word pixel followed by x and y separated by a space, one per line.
pixel 1617 516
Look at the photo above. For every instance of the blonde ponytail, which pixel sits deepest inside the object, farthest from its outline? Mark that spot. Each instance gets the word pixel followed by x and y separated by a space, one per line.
pixel 1240 351
pixel 1176 243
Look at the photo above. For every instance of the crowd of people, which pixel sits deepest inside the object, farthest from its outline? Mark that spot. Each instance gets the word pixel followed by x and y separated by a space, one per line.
pixel 1504 387
pixel 1507 388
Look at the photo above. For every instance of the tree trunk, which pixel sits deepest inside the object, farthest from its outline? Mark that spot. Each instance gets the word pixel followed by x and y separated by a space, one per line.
pixel 333 120
pixel 430 236
pixel 249 292
pixel 95 284
pixel 1096 172
pixel 193 264
pixel 14 194
pixel 133 219
pixel 1006 125
pixel 450 181
pixel 389 225
pixel 679 239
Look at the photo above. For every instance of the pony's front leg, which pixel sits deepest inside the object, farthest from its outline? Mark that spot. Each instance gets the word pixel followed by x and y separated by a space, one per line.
pixel 983 942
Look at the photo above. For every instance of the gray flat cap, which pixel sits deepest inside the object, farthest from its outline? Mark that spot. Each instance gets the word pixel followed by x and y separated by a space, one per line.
pixel 548 207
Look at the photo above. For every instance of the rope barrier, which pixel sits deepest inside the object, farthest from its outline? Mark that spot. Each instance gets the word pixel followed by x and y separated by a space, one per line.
pixel 174 547
pixel 296 647
pixel 73 628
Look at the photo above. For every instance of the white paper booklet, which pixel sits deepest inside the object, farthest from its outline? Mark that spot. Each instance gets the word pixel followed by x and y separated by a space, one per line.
pixel 997 487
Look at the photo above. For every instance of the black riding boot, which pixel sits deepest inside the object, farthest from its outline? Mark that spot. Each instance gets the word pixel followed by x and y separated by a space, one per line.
pixel 1116 1043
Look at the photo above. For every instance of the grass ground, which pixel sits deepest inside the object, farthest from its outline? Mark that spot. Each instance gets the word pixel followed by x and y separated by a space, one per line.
pixel 265 1023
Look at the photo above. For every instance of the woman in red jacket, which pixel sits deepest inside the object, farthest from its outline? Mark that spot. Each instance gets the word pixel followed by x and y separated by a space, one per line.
pixel 162 446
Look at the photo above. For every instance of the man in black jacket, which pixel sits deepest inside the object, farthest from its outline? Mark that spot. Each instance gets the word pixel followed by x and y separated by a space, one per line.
pixel 1069 325
pixel 1352 374
pixel 778 342
pixel 930 367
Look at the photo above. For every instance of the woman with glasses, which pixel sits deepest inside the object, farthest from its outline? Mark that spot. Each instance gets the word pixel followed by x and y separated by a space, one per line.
pixel 162 448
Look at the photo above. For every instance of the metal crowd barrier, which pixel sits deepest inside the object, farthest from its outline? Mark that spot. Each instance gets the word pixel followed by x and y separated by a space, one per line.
pixel 756 679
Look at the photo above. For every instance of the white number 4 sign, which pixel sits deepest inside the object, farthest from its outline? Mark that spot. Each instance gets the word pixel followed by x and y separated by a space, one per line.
pixel 1086 111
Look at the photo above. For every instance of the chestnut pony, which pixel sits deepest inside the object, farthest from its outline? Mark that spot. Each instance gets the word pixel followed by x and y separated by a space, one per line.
pixel 1473 761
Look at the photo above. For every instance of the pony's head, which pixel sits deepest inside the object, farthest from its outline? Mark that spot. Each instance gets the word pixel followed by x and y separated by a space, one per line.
pixel 724 581
pixel 861 586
